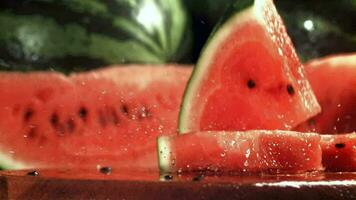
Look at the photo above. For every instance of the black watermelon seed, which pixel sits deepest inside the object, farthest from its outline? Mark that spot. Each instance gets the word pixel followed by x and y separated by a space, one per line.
pixel 290 89
pixel 311 122
pixel 54 120
pixel 105 170
pixel 83 112
pixel 33 173
pixel 144 113
pixel 340 145
pixel 168 177
pixel 198 178
pixel 124 109
pixel 251 84
pixel 28 114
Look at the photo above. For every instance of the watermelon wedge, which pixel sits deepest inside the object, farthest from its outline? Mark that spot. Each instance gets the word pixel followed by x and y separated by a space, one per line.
pixel 248 76
pixel 333 80
pixel 339 152
pixel 108 117
pixel 250 151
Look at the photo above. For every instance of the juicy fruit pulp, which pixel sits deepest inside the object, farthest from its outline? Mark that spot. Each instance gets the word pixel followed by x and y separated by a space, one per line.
pixel 251 151
pixel 339 152
pixel 248 77
pixel 333 80
pixel 108 117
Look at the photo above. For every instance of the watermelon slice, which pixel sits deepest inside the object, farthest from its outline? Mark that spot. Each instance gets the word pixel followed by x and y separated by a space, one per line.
pixel 109 117
pixel 250 151
pixel 339 152
pixel 333 80
pixel 248 76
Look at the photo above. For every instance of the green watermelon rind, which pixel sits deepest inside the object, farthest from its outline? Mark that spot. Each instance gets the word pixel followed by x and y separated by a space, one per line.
pixel 164 154
pixel 159 42
pixel 236 16
pixel 6 162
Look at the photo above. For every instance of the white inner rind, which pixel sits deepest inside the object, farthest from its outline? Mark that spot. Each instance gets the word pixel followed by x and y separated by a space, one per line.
pixel 346 60
pixel 164 153
pixel 189 116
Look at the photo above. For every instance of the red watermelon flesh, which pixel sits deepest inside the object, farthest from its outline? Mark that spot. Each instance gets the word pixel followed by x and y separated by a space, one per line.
pixel 248 77
pixel 251 151
pixel 339 152
pixel 109 117
pixel 333 80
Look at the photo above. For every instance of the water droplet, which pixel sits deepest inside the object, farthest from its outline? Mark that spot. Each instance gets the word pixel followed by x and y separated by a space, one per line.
pixel 280 52
pixel 233 142
pixel 280 116
pixel 246 163
pixel 248 152
pixel 223 154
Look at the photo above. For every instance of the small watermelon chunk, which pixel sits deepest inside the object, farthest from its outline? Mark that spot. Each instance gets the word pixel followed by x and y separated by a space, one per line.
pixel 248 76
pixel 107 117
pixel 339 152
pixel 251 151
pixel 333 80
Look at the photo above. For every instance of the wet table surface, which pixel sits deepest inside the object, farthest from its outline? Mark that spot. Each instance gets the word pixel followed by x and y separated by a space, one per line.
pixel 123 184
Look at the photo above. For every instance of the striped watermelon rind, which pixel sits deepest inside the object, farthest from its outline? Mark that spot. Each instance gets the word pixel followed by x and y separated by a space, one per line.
pixel 45 33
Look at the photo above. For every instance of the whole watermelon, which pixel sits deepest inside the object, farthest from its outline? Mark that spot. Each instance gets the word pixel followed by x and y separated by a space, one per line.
pixel 316 27
pixel 83 34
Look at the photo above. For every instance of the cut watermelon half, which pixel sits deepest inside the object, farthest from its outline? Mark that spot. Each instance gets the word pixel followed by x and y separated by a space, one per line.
pixel 248 76
pixel 339 152
pixel 250 151
pixel 107 117
pixel 333 80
